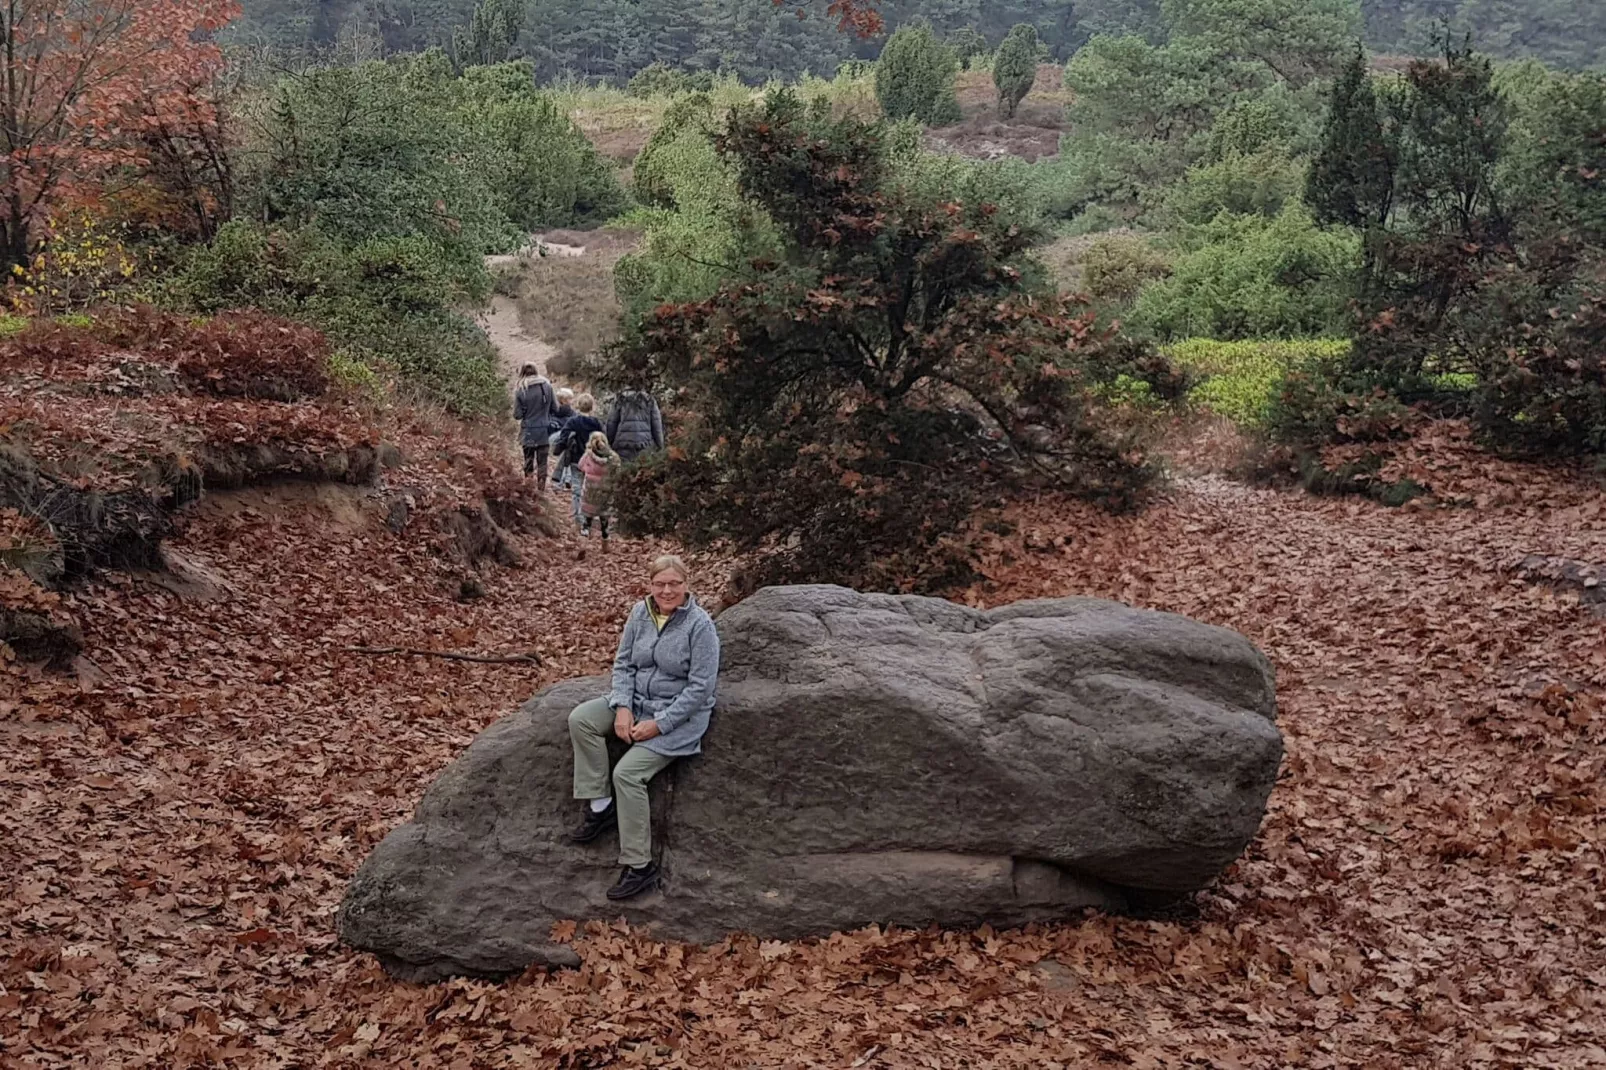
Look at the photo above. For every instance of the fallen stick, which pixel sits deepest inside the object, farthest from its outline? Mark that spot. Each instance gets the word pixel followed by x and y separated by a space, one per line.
pixel 531 658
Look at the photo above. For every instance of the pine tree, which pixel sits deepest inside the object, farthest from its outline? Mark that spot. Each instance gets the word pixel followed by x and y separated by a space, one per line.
pixel 1015 67
pixel 491 33
pixel 1454 139
pixel 1351 180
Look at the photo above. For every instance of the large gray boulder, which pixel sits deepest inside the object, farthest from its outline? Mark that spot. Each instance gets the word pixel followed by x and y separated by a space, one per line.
pixel 873 759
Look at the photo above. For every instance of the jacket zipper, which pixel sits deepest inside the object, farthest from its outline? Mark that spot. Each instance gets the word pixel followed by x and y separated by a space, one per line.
pixel 659 634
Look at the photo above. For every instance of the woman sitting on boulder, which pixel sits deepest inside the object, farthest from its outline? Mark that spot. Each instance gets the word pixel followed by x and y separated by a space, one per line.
pixel 663 692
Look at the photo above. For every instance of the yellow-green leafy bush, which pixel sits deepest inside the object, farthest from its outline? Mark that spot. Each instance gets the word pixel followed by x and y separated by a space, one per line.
pixel 1239 379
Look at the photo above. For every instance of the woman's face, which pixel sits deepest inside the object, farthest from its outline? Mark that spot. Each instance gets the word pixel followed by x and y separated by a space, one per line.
pixel 668 590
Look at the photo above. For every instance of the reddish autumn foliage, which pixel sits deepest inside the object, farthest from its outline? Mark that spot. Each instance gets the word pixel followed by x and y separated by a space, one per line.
pixel 138 395
pixel 246 354
pixel 251 354
pixel 1424 894
pixel 94 81
pixel 852 16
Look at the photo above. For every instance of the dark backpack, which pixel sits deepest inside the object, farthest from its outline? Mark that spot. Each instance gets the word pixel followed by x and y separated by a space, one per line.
pixel 573 447
pixel 554 422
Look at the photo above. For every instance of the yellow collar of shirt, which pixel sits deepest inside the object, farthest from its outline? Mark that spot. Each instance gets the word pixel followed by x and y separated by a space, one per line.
pixel 658 619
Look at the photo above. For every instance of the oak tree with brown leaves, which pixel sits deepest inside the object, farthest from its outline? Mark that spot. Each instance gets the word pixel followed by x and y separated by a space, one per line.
pixel 89 85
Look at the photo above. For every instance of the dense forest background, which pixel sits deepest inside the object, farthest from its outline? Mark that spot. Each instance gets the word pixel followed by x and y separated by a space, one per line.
pixel 758 39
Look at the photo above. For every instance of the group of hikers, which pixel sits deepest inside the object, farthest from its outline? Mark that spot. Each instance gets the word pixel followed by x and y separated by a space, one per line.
pixel 585 451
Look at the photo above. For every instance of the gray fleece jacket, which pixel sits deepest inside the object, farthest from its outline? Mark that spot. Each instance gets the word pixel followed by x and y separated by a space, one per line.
pixel 668 676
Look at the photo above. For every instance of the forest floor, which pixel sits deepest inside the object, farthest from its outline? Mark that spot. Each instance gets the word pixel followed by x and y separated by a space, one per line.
pixel 181 816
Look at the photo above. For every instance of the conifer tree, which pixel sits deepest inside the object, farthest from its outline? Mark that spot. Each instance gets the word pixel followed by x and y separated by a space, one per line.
pixel 914 78
pixel 491 33
pixel 1015 67
pixel 1351 180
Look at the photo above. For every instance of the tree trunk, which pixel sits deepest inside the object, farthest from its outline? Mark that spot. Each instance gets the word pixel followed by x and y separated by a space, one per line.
pixel 17 245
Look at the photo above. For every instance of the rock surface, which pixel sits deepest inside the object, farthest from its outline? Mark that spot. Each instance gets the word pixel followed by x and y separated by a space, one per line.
pixel 873 759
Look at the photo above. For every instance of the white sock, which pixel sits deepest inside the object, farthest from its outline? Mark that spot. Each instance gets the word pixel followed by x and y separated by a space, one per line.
pixel 599 805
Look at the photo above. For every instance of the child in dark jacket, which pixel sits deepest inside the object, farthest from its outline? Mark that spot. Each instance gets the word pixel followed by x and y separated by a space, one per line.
pixel 560 416
pixel 577 431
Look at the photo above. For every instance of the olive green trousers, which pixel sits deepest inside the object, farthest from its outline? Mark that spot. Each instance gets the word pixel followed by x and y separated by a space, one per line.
pixel 590 725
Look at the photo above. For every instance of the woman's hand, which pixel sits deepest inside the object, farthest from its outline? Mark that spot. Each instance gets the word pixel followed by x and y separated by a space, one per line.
pixel 644 731
pixel 623 723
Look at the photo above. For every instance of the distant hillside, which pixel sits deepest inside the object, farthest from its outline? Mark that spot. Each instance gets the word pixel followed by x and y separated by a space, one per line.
pixel 758 40
pixel 1567 33
pixel 615 38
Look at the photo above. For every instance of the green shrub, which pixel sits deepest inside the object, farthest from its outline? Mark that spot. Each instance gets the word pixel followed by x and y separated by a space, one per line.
pixel 1118 267
pixel 1250 126
pixel 407 149
pixel 659 79
pixel 1240 380
pixel 1008 184
pixel 1015 67
pixel 967 46
pixel 914 78
pixel 1095 220
pixel 12 325
pixel 687 251
pixel 541 170
pixel 1252 277
pixel 690 116
pixel 1261 183
pixel 351 370
pixel 385 302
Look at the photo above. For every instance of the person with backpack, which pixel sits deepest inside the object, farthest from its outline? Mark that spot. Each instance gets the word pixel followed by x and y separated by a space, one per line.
pixel 636 424
pixel 596 465
pixel 535 406
pixel 572 440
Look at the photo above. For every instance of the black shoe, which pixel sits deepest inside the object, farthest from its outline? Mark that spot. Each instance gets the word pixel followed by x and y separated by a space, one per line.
pixel 595 824
pixel 635 880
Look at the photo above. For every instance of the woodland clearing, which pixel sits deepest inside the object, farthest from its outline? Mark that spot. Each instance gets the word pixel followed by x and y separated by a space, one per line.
pixel 1425 891
pixel 186 793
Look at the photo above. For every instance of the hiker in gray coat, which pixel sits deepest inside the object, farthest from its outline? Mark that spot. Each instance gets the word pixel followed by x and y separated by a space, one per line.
pixel 535 407
pixel 636 425
pixel 664 678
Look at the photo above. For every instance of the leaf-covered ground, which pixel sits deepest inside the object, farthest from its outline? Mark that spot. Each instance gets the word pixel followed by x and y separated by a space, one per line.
pixel 1426 892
